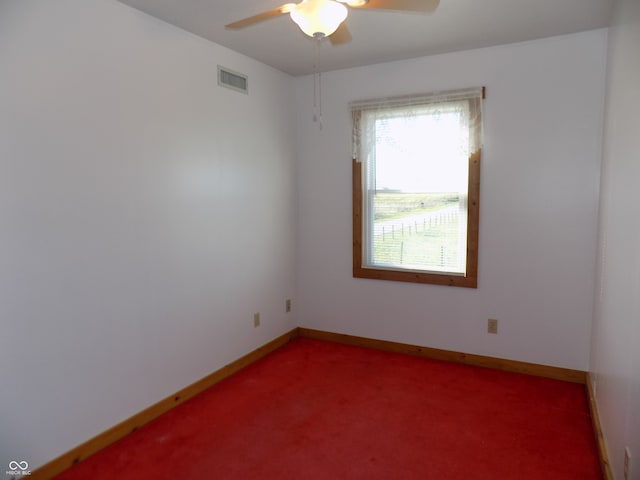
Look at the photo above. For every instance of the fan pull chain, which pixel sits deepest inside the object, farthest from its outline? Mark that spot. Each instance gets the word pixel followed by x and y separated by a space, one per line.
pixel 317 86
pixel 320 98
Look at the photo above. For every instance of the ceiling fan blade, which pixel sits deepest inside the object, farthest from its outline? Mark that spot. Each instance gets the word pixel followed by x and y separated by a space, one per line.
pixel 341 35
pixel 245 22
pixel 419 6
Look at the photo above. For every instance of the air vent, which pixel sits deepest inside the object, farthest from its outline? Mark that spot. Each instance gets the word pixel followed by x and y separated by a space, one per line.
pixel 233 80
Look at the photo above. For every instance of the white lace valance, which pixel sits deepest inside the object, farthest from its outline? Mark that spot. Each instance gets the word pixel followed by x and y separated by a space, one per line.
pixel 466 104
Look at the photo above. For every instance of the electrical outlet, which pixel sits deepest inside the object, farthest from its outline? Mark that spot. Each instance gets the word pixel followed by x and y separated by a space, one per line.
pixel 256 319
pixel 492 325
pixel 627 464
pixel 287 305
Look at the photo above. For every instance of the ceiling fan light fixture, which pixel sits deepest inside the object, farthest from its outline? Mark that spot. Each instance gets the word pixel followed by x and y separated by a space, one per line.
pixel 287 7
pixel 318 18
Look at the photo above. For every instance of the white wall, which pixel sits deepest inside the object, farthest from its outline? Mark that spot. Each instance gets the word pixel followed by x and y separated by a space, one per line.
pixel 538 208
pixel 615 359
pixel 145 215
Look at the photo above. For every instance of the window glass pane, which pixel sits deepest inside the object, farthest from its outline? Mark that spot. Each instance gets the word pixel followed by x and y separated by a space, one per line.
pixel 416 197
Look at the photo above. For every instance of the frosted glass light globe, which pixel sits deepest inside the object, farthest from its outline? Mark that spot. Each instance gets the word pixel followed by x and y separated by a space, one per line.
pixel 318 18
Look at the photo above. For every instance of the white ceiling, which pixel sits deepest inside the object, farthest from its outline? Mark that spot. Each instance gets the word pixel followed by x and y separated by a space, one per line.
pixel 379 36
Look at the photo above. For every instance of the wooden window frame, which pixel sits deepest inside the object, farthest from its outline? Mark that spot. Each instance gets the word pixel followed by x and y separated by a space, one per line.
pixel 468 280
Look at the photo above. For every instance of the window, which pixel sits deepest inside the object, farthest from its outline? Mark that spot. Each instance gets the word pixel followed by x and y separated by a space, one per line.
pixel 416 172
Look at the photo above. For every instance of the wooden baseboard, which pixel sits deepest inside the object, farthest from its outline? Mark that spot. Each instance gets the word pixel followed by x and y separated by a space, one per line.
pixel 607 474
pixel 131 424
pixel 557 373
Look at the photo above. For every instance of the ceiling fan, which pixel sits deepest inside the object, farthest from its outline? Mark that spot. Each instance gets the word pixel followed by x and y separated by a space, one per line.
pixel 324 18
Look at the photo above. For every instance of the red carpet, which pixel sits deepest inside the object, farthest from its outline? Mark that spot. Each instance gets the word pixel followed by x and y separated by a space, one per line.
pixel 318 410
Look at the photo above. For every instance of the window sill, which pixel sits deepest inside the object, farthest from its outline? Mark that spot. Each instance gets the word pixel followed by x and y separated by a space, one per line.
pixel 414 276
